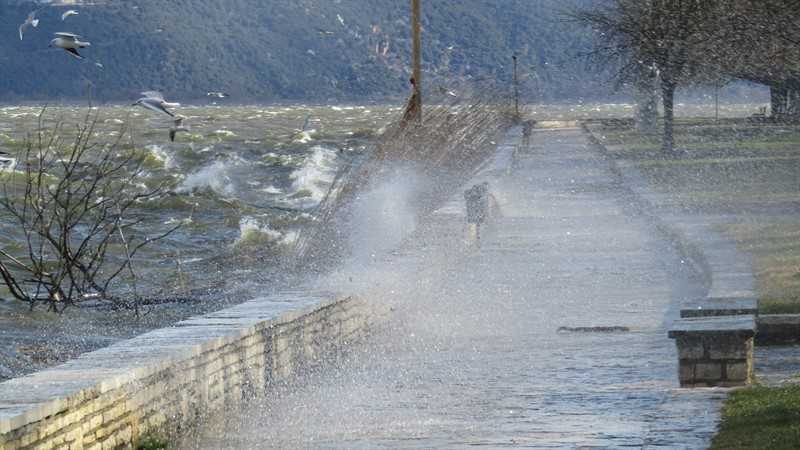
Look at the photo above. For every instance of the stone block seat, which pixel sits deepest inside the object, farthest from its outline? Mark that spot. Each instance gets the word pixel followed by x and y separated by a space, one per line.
pixel 715 350
pixel 720 306
pixel 778 329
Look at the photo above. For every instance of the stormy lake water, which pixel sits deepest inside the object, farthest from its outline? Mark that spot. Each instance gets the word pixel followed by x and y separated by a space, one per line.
pixel 241 181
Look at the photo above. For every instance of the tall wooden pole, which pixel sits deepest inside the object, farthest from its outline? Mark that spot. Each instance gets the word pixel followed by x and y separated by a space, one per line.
pixel 416 32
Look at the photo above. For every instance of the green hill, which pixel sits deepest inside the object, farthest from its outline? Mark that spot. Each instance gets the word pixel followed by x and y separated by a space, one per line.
pixel 267 50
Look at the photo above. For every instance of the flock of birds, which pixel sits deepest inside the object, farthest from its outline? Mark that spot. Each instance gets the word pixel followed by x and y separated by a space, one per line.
pixel 152 100
pixel 69 42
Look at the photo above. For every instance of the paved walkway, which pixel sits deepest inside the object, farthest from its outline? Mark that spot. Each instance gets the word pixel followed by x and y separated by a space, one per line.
pixel 473 355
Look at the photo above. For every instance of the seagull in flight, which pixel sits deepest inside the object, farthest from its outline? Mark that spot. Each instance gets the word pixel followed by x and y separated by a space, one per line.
pixel 154 101
pixel 66 14
pixel 69 42
pixel 444 91
pixel 218 94
pixel 30 21
pixel 177 127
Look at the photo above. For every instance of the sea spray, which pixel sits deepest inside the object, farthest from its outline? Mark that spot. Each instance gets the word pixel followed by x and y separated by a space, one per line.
pixel 385 214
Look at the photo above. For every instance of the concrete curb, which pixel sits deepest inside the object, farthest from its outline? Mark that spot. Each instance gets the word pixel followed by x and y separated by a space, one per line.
pixel 688 250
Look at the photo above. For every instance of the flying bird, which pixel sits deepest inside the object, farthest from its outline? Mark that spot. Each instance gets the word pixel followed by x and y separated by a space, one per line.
pixel 444 91
pixel 69 42
pixel 218 94
pixel 177 127
pixel 30 21
pixel 66 14
pixel 154 101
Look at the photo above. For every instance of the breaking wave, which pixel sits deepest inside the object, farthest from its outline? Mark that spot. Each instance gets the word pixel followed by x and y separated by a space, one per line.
pixel 312 181
pixel 254 233
pixel 214 177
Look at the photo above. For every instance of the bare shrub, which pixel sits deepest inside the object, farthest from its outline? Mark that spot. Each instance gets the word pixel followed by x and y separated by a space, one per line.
pixel 73 199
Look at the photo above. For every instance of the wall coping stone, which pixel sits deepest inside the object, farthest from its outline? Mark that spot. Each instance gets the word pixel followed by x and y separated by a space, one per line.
pixel 744 325
pixel 720 306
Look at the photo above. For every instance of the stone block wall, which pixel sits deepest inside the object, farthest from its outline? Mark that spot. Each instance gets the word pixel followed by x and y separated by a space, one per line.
pixel 709 361
pixel 715 358
pixel 169 379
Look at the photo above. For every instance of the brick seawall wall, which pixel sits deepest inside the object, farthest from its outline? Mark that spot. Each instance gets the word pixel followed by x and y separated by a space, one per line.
pixel 168 379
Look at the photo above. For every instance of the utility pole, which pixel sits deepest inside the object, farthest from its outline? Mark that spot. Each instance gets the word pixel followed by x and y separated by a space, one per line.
pixel 516 86
pixel 416 32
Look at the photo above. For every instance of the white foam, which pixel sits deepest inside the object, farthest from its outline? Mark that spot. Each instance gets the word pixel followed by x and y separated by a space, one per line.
pixel 303 137
pixel 253 232
pixel 223 133
pixel 272 190
pixel 159 154
pixel 214 177
pixel 314 178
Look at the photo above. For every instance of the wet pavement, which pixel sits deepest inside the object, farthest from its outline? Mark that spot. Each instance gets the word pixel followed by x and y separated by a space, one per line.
pixel 473 355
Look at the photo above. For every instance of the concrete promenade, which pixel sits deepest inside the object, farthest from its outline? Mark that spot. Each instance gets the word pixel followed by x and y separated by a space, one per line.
pixel 473 355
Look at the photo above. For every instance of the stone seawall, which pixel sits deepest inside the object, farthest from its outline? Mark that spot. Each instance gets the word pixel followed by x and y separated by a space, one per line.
pixel 167 380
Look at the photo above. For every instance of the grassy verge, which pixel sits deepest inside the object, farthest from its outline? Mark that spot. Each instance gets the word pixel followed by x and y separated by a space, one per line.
pixel 746 173
pixel 760 418
pixel 776 253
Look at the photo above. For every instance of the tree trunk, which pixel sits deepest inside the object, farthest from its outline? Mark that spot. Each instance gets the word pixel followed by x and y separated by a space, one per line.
pixel 777 99
pixel 668 94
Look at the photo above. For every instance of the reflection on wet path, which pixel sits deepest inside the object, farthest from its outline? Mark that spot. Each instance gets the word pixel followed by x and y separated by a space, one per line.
pixel 472 356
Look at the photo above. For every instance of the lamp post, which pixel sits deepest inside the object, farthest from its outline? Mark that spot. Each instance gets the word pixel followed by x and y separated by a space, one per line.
pixel 417 56
pixel 516 86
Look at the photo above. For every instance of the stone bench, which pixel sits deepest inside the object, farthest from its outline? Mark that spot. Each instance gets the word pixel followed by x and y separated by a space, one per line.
pixel 778 329
pixel 715 351
pixel 720 306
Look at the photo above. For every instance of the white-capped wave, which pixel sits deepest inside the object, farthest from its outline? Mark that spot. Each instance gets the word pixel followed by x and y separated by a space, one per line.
pixel 312 181
pixel 215 177
pixel 157 152
pixel 271 189
pixel 253 232
pixel 223 133
pixel 303 137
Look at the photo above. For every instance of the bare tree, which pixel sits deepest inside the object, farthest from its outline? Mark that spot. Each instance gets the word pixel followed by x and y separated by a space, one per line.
pixel 759 41
pixel 661 36
pixel 74 210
